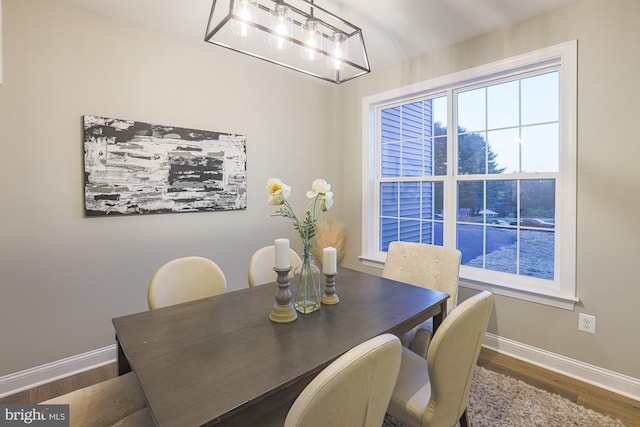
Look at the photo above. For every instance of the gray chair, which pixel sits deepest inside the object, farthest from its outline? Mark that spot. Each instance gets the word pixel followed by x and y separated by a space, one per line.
pixel 185 279
pixel 435 392
pixel 428 266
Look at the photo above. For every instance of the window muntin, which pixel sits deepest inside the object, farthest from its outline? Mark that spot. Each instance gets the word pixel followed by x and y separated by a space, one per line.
pixel 521 147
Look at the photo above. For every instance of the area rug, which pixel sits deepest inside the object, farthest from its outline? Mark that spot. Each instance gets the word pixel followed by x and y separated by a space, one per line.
pixel 497 400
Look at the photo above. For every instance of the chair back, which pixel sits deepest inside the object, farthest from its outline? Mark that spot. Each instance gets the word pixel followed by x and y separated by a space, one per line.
pixel 354 390
pixel 452 358
pixel 262 262
pixel 105 403
pixel 185 279
pixel 429 266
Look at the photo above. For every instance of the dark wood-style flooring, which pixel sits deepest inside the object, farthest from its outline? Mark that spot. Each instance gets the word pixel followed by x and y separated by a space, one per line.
pixel 620 407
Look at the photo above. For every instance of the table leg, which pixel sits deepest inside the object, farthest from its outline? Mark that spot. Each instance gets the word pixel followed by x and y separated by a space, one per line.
pixel 438 318
pixel 123 363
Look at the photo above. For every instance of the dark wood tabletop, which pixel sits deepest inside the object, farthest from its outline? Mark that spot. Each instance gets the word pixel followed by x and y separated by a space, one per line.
pixel 213 361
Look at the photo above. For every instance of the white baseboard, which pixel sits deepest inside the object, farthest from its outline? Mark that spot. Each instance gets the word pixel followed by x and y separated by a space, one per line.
pixel 603 378
pixel 609 380
pixel 29 378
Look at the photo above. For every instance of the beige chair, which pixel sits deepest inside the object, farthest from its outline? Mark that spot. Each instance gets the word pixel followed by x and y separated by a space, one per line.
pixel 117 402
pixel 435 392
pixel 262 262
pixel 185 279
pixel 353 390
pixel 428 266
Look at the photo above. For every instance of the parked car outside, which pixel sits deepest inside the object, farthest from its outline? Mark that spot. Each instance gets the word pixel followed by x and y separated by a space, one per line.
pixel 533 222
pixel 500 222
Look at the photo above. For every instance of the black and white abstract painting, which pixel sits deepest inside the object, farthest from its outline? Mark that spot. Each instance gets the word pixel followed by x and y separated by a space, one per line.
pixel 141 168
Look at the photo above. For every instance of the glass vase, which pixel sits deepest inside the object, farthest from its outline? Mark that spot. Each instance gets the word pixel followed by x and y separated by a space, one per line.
pixel 306 278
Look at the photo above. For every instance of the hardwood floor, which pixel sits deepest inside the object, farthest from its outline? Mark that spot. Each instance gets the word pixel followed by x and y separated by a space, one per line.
pixel 63 386
pixel 603 401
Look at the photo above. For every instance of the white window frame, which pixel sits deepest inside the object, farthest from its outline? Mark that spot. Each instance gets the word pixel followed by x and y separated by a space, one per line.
pixel 561 292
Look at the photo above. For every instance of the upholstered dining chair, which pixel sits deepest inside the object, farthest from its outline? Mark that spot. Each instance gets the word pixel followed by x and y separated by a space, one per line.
pixel 435 392
pixel 353 390
pixel 116 402
pixel 261 265
pixel 428 266
pixel 185 279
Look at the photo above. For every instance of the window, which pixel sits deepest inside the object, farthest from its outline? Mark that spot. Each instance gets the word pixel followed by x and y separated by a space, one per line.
pixel 484 161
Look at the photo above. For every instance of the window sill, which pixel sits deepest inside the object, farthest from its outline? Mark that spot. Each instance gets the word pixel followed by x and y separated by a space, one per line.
pixel 535 295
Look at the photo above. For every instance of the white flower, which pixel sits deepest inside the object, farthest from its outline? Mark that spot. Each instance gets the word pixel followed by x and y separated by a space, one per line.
pixel 319 186
pixel 327 201
pixel 278 191
pixel 321 201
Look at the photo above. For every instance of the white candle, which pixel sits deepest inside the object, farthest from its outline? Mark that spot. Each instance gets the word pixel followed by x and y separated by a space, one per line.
pixel 282 254
pixel 329 261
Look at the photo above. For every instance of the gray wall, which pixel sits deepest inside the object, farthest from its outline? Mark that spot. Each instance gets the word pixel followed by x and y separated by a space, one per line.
pixel 608 228
pixel 63 277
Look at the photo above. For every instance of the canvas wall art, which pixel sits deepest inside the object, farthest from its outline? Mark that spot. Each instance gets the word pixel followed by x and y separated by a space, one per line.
pixel 133 168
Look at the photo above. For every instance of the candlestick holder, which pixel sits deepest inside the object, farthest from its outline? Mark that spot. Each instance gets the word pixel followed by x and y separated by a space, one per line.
pixel 283 311
pixel 329 297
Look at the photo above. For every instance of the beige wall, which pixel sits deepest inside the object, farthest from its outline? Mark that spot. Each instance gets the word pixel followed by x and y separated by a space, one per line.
pixel 64 277
pixel 608 228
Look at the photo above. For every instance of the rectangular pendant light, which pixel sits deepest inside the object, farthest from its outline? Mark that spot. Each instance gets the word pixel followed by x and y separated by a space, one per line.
pixel 296 34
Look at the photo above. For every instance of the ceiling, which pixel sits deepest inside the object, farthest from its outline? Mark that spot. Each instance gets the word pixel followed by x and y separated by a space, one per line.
pixel 393 30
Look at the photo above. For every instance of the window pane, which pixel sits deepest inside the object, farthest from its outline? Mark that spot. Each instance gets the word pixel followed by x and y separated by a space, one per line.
pixel 504 151
pixel 390 126
pixel 410 200
pixel 432 233
pixel 432 200
pixel 472 154
pixel 432 211
pixel 537 203
pixel 503 109
pixel 536 253
pixel 470 200
pixel 389 199
pixel 412 158
pixel 502 250
pixel 412 121
pixel 540 99
pixel 471 110
pixel 388 232
pixel 390 160
pixel 429 157
pixel 439 115
pixel 501 202
pixel 410 230
pixel 427 115
pixel 439 156
pixel 541 148
pixel 470 238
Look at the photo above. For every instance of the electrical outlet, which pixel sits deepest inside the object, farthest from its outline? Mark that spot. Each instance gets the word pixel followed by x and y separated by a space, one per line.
pixel 587 323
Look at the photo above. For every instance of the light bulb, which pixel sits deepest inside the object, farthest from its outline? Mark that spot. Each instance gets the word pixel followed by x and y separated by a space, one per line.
pixel 281 26
pixel 338 50
pixel 312 39
pixel 244 11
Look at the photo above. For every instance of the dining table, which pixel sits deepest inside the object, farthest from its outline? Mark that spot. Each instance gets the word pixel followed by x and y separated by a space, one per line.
pixel 220 361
